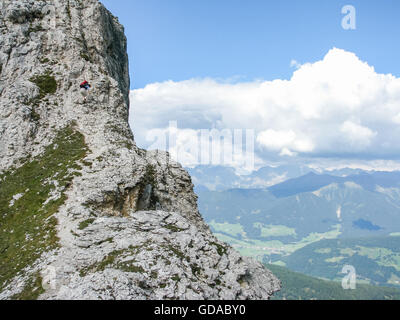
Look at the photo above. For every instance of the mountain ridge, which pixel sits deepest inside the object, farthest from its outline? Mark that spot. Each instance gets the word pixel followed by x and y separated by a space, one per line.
pixel 84 212
pixel 219 178
pixel 313 182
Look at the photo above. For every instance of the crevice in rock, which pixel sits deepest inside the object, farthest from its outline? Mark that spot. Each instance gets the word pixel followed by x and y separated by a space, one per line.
pixel 147 199
pixel 142 197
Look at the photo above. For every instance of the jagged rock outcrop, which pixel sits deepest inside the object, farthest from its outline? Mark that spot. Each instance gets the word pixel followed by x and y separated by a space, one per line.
pixel 84 212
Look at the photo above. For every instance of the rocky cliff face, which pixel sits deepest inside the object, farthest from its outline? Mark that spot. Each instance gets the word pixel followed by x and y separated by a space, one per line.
pixel 85 213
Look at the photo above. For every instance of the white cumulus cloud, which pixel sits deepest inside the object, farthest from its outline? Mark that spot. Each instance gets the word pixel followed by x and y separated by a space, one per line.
pixel 338 106
pixel 360 136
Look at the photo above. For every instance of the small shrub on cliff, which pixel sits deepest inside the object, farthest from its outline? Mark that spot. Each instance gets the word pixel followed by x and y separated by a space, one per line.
pixel 46 83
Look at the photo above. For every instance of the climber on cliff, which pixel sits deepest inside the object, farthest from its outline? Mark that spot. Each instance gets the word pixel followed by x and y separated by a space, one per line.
pixel 85 86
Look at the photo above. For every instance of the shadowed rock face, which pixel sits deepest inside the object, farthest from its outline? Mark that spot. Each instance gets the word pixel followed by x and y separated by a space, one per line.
pixel 127 223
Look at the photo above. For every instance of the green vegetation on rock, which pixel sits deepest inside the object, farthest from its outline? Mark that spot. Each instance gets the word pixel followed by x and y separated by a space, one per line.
pixel 33 288
pixel 173 228
pixel 33 29
pixel 220 248
pixel 84 224
pixel 29 197
pixel 86 57
pixel 46 83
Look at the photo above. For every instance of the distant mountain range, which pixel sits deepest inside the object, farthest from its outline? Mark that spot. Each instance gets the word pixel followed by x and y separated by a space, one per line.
pixel 365 204
pixel 370 181
pixel 278 223
pixel 218 178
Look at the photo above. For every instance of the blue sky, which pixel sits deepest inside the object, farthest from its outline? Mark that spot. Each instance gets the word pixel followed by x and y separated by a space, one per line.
pixel 310 90
pixel 247 40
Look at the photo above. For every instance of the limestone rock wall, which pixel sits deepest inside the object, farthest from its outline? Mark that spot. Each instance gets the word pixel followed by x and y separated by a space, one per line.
pixel 143 236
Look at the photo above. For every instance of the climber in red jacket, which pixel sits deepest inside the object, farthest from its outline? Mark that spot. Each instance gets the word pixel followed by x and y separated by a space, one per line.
pixel 85 86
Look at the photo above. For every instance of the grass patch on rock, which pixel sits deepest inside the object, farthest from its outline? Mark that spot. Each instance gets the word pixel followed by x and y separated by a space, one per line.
pixel 220 248
pixel 84 224
pixel 46 83
pixel 174 228
pixel 28 205
pixel 32 289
